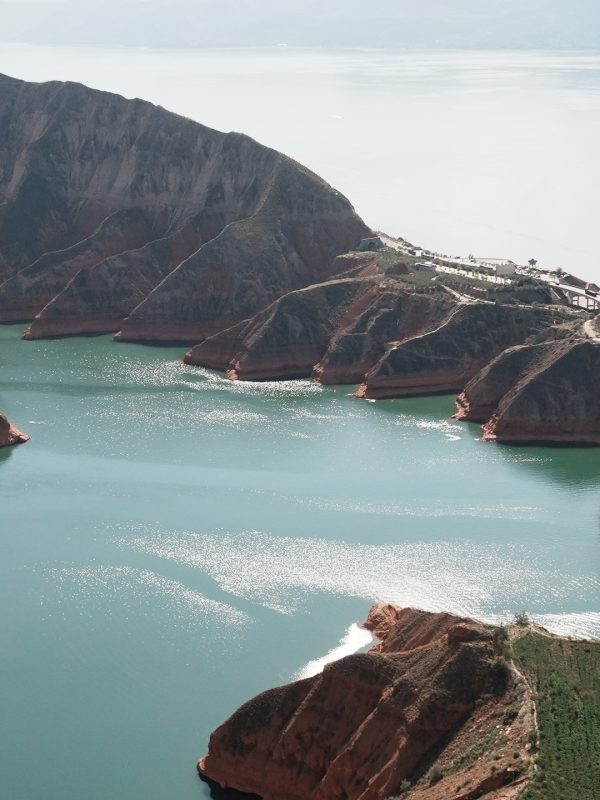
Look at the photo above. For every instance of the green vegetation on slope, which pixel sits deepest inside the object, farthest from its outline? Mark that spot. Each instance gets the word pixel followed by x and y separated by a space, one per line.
pixel 566 677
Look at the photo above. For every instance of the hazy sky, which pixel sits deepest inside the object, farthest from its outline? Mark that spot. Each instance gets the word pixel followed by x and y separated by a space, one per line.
pixel 573 24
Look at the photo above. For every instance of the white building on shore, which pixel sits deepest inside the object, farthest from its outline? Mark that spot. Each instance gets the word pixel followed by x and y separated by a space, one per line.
pixel 503 267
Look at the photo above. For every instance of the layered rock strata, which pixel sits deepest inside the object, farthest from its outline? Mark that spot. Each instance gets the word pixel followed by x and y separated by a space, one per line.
pixel 371 329
pixel 98 300
pixel 384 315
pixel 9 435
pixel 445 358
pixel 286 339
pixel 113 208
pixel 546 392
pixel 334 331
pixel 406 716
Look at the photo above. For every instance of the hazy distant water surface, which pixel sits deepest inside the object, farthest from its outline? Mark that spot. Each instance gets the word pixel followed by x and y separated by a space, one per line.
pixel 172 543
pixel 491 153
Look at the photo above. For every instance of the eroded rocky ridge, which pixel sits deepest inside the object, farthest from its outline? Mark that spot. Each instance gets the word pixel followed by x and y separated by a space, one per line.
pixel 424 711
pixel 370 328
pixel 9 435
pixel 444 358
pixel 286 339
pixel 546 391
pixel 113 208
pixel 116 215
pixel 334 331
pixel 524 371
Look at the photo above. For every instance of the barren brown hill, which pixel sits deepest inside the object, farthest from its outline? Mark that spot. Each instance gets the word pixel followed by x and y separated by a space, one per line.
pixel 112 208
pixel 431 712
pixel 371 328
pixel 286 339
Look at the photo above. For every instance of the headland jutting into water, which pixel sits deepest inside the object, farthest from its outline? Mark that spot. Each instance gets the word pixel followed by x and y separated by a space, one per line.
pixel 442 708
pixel 118 216
pixel 9 435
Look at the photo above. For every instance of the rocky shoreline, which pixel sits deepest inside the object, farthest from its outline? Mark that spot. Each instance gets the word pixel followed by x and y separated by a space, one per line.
pixel 527 374
pixel 119 217
pixel 544 392
pixel 409 717
pixel 442 708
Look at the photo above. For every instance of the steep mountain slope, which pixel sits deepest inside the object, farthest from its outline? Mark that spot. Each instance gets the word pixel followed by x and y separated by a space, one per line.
pixel 103 198
pixel 334 331
pixel 445 358
pixel 373 329
pixel 286 339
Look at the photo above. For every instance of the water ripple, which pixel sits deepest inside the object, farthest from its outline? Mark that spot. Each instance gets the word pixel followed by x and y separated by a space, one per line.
pixel 462 577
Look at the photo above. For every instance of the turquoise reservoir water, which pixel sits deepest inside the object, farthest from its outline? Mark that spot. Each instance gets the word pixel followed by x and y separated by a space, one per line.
pixel 172 543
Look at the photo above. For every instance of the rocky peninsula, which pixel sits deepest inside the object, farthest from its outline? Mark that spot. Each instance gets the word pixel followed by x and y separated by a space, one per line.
pixel 373 331
pixel 442 708
pixel 371 326
pixel 545 391
pixel 432 711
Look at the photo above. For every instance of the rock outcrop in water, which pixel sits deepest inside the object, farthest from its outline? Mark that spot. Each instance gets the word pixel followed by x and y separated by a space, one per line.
pixel 544 392
pixel 113 208
pixel 9 435
pixel 424 712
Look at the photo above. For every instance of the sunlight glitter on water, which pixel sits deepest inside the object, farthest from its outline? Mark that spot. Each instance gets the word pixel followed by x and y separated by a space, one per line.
pixel 85 587
pixel 433 509
pixel 462 577
pixel 584 626
pixel 177 375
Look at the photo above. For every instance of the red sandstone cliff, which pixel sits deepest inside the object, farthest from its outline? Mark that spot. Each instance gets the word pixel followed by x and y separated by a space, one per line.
pixel 335 330
pixel 113 208
pixel 9 435
pixel 387 313
pixel 432 692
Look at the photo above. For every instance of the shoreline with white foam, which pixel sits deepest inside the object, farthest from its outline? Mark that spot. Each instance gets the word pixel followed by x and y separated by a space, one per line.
pixel 354 639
